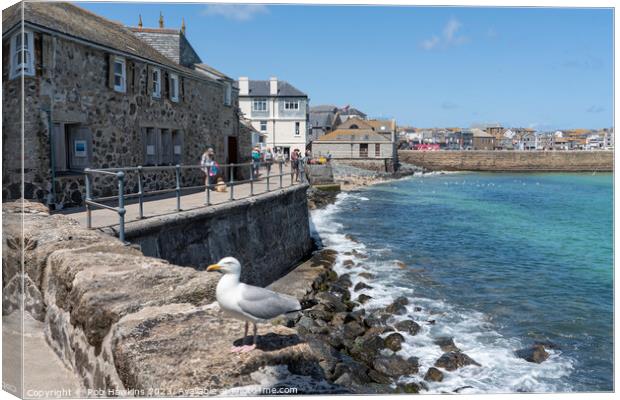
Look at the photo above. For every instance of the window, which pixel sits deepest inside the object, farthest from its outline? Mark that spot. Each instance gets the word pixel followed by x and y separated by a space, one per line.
pixel 177 144
pixel 72 147
pixel 291 105
pixel 166 155
pixel 377 150
pixel 296 128
pixel 119 74
pixel 259 105
pixel 156 79
pixel 22 56
pixel 263 126
pixel 363 150
pixel 174 87
pixel 228 94
pixel 150 154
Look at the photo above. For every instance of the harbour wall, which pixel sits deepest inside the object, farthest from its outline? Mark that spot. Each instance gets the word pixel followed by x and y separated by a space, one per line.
pixel 510 161
pixel 268 234
pixel 102 301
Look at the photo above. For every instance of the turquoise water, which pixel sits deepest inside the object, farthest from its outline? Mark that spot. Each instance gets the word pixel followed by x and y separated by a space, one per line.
pixel 504 260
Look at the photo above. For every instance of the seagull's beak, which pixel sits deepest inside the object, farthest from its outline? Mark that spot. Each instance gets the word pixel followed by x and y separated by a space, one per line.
pixel 214 267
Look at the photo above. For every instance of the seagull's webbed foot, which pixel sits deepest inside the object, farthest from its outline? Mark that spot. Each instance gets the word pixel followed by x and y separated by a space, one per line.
pixel 247 348
pixel 236 349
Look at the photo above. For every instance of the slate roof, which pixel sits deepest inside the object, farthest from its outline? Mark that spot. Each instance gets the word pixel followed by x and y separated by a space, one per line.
pixel 79 23
pixel 212 71
pixel 170 42
pixel 321 119
pixel 348 135
pixel 353 111
pixel 324 108
pixel 285 89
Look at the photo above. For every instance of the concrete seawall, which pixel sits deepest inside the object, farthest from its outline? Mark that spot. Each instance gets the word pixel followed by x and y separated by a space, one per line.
pixel 509 161
pixel 268 233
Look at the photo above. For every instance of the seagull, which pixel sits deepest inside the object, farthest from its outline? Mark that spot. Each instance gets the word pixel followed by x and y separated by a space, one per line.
pixel 246 302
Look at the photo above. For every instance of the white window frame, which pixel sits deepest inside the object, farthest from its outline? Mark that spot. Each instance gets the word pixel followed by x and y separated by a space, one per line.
pixel 227 94
pixel 156 89
pixel 122 88
pixel 297 128
pixel 261 126
pixel 292 105
pixel 259 101
pixel 27 68
pixel 174 87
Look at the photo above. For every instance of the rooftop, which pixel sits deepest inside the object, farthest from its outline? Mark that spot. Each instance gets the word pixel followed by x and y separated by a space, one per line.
pixel 347 135
pixel 285 89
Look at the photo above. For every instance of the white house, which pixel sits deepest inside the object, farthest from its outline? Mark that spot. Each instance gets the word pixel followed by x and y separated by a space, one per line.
pixel 278 110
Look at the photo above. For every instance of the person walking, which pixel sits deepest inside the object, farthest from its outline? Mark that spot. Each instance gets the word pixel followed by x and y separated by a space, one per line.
pixel 295 164
pixel 210 167
pixel 256 156
pixel 268 159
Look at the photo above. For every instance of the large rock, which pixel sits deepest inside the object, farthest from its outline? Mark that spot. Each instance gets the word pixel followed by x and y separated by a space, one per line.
pixel 446 344
pixel 409 326
pixel 394 341
pixel 433 375
pixel 454 360
pixel 395 366
pixel 535 353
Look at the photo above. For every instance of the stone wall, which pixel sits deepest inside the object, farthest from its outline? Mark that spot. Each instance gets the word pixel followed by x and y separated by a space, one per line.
pixel 561 161
pixel 382 165
pixel 258 231
pixel 71 87
pixel 123 321
pixel 319 174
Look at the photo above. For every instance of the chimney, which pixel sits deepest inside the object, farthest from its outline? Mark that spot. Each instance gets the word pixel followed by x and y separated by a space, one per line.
pixel 244 86
pixel 273 86
pixel 161 20
pixel 183 26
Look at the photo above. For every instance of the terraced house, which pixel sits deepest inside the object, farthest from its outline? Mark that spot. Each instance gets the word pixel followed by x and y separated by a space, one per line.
pixel 98 94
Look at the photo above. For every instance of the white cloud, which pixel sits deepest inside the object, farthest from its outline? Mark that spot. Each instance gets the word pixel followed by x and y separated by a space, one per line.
pixel 430 43
pixel 449 37
pixel 237 12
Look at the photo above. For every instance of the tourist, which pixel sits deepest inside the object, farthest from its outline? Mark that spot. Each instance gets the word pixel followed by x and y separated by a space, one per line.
pixel 210 167
pixel 279 156
pixel 268 159
pixel 256 156
pixel 295 163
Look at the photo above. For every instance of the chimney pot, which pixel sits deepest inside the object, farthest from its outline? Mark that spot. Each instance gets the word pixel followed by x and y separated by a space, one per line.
pixel 244 86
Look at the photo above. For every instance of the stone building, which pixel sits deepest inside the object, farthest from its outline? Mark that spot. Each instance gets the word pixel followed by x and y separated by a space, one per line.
pixel 364 148
pixel 323 119
pixel 277 109
pixel 97 94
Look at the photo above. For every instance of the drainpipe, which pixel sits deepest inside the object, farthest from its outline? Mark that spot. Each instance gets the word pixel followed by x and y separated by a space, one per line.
pixel 51 197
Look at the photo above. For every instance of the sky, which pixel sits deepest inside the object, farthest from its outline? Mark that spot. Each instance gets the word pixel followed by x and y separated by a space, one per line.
pixel 543 68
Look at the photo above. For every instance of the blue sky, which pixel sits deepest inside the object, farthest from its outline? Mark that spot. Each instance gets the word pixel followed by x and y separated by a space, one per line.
pixel 543 68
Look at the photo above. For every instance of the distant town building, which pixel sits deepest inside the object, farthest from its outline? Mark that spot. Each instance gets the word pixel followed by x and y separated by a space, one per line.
pixel 323 119
pixel 350 112
pixel 101 95
pixel 482 140
pixel 355 143
pixel 277 109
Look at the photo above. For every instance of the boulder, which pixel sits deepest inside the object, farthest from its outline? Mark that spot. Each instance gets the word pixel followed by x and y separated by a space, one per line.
pixel 341 292
pixel 409 388
pixel 366 275
pixel 361 286
pixel 363 298
pixel 324 258
pixel 352 330
pixel 348 263
pixel 446 344
pixel 396 366
pixel 367 348
pixel 331 302
pixel 453 360
pixel 393 341
pixel 379 377
pixel 344 281
pixel 400 264
pixel 535 354
pixel 433 375
pixel 409 326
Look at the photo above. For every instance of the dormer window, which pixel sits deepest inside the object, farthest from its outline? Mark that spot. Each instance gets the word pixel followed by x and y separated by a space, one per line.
pixel 22 54
pixel 174 87
pixel 156 79
pixel 120 78
pixel 291 105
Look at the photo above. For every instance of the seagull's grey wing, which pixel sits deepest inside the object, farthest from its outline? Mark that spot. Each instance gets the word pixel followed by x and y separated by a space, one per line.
pixel 265 304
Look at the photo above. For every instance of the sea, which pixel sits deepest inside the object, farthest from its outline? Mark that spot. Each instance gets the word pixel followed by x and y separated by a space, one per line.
pixel 498 261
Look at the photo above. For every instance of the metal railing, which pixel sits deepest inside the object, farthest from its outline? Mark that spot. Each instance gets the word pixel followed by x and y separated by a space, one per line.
pixel 121 174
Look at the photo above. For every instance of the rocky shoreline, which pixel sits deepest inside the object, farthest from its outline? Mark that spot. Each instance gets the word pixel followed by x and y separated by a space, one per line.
pixel 368 342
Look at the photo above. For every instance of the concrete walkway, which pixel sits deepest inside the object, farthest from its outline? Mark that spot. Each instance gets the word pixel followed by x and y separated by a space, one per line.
pixel 166 204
